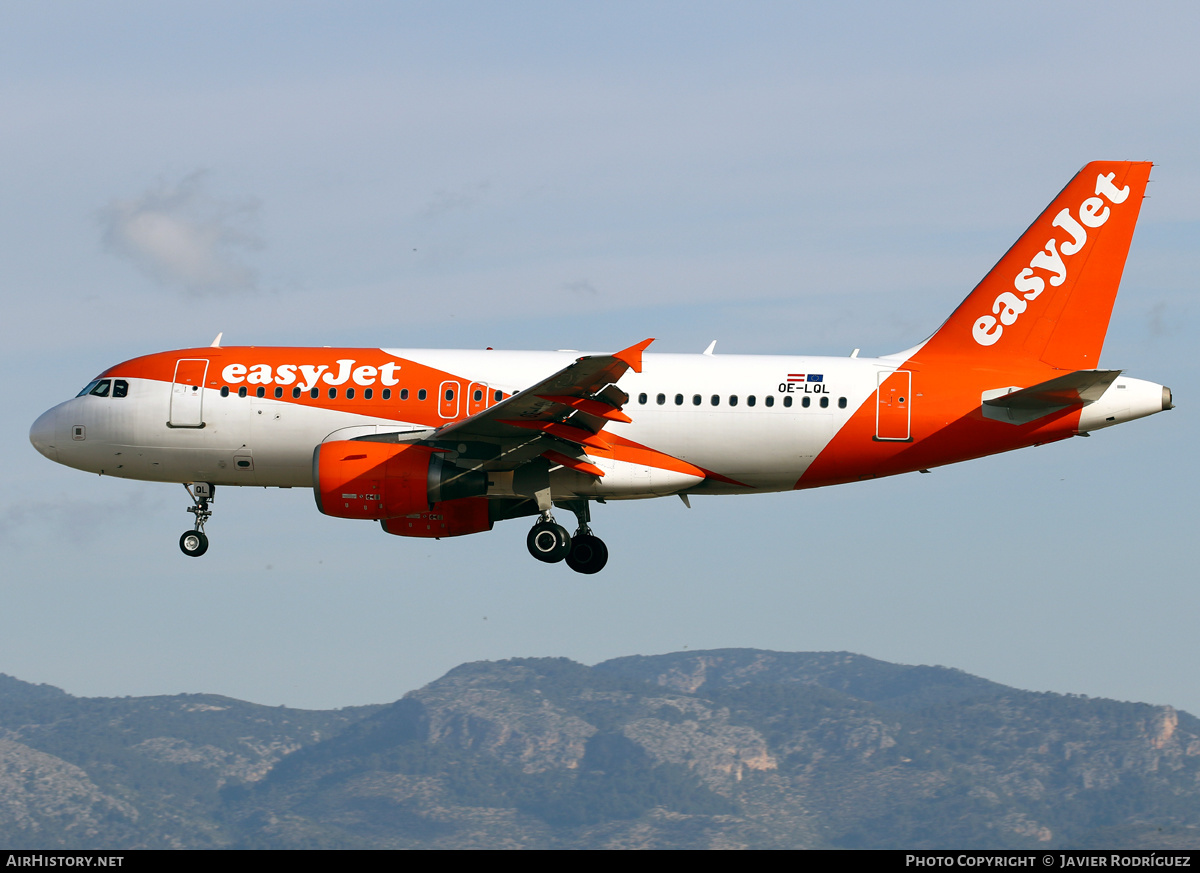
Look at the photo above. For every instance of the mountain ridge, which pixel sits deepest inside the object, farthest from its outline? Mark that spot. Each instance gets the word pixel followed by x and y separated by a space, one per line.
pixel 728 747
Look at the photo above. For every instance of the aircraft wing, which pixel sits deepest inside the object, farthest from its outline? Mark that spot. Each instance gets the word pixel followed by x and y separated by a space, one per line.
pixel 560 417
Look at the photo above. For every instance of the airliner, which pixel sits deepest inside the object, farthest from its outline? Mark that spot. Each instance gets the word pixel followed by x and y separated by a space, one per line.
pixel 443 443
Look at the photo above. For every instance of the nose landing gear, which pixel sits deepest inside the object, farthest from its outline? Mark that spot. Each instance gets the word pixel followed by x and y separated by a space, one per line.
pixel 585 552
pixel 194 543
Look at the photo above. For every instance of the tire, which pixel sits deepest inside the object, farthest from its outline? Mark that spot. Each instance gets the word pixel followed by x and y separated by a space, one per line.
pixel 548 542
pixel 193 543
pixel 588 554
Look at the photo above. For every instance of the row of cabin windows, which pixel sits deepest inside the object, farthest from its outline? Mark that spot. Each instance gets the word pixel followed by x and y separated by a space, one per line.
pixel 351 393
pixel 751 400
pixel 102 387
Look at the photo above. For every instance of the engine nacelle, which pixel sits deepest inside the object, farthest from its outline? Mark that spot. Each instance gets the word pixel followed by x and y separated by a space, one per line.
pixel 453 518
pixel 370 480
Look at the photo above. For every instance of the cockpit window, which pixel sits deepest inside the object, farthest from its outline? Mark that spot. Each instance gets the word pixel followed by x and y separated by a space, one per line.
pixel 120 388
pixel 102 388
pixel 87 389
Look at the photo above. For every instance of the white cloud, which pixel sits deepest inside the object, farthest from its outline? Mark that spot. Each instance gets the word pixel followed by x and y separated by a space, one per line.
pixel 180 236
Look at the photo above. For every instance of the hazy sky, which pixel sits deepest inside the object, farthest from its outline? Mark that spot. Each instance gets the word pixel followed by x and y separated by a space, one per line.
pixel 782 178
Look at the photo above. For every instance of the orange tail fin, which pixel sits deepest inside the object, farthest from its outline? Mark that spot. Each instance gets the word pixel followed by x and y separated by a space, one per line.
pixel 1050 297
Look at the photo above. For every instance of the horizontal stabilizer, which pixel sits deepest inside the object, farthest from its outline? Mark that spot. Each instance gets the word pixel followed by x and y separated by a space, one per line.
pixel 1079 388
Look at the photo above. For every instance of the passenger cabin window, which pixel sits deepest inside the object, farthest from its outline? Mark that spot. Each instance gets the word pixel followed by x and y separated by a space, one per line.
pixel 224 390
pixel 278 391
pixel 805 401
pixel 733 400
pixel 477 395
pixel 824 402
pixel 787 401
pixel 499 395
pixel 349 393
pixel 751 400
pixel 642 398
pixel 449 393
pixel 769 400
pixel 841 403
pixel 697 400
pixel 403 394
pixel 315 393
pixel 242 391
pixel 422 394
pixel 387 393
pixel 679 400
pixel 368 393
pixel 332 393
pixel 260 391
pixel 660 399
pixel 295 393
pixel 716 400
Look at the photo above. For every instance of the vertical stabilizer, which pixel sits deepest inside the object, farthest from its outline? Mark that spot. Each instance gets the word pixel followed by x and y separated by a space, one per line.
pixel 1050 297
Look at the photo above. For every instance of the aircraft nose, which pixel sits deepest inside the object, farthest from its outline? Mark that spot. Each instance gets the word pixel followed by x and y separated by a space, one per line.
pixel 42 434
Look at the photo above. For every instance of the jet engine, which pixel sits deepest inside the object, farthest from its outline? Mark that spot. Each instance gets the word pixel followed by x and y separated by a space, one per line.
pixel 370 480
pixel 453 518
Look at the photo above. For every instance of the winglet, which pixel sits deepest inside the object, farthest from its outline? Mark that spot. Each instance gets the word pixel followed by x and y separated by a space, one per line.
pixel 633 355
pixel 216 344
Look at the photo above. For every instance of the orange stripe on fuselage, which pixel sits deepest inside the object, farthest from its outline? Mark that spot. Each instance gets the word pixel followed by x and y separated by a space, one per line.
pixel 635 453
pixel 947 424
pixel 289 368
pixel 408 374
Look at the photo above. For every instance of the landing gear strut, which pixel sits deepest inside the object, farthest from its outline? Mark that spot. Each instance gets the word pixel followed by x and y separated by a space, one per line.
pixel 194 543
pixel 549 541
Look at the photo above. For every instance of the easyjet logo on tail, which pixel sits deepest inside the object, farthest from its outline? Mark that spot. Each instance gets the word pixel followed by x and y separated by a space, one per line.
pixel 1007 307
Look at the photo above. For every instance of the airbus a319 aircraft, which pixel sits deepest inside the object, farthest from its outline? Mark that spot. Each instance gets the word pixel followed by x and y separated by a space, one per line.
pixel 440 443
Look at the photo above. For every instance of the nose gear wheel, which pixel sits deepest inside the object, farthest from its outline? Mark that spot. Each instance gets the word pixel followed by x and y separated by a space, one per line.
pixel 194 543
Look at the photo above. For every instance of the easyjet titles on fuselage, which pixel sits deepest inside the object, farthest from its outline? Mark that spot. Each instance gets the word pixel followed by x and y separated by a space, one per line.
pixel 365 375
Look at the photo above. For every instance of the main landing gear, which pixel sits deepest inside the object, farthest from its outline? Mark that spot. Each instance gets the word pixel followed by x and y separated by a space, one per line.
pixel 194 543
pixel 549 541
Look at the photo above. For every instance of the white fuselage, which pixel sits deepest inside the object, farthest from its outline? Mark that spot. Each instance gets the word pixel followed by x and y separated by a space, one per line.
pixel 750 424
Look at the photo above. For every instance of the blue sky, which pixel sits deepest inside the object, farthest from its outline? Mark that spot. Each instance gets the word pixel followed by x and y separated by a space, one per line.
pixel 782 178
